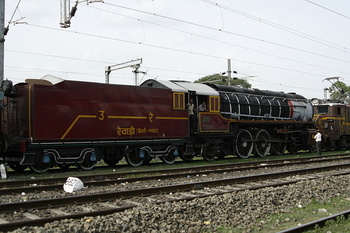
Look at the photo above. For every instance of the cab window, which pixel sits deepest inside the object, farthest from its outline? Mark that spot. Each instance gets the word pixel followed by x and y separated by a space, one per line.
pixel 322 109
pixel 214 105
pixel 178 100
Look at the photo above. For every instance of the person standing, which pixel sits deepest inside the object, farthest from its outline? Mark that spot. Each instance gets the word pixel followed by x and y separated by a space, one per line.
pixel 191 109
pixel 318 139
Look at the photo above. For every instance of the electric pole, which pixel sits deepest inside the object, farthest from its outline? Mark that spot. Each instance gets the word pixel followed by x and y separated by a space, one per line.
pixel 229 71
pixel 2 39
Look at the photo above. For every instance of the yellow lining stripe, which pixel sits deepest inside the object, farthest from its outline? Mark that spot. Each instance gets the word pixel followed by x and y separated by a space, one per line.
pixel 126 117
pixel 75 121
pixel 172 118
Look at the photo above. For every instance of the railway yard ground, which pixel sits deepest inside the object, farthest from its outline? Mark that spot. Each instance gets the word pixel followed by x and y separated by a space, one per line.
pixel 270 194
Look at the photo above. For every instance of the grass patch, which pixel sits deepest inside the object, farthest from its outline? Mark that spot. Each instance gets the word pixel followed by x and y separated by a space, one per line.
pixel 304 214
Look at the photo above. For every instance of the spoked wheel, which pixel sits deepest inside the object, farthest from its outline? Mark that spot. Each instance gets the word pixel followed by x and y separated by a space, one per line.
pixel 279 147
pixel 40 168
pixel 133 158
pixel 244 143
pixel 17 167
pixel 87 165
pixel 262 146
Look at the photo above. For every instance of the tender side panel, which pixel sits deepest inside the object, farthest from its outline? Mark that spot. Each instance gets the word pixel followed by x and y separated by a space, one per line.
pixel 90 111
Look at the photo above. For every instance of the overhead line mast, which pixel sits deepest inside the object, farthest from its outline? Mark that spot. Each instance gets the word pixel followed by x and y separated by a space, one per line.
pixel 67 14
pixel 2 39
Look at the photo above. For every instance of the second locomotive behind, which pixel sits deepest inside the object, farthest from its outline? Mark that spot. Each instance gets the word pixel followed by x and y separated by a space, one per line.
pixel 63 123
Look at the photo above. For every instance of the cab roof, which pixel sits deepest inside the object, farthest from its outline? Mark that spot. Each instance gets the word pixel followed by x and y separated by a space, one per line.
pixel 181 86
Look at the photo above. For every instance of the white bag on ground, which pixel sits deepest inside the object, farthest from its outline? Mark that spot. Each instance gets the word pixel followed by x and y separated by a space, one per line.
pixel 73 184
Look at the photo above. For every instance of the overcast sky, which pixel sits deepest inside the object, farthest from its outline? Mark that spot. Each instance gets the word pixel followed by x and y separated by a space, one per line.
pixel 289 45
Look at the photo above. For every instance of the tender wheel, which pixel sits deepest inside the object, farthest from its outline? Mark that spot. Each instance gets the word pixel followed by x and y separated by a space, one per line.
pixel 40 168
pixel 17 167
pixel 111 162
pixel 262 146
pixel 244 143
pixel 90 160
pixel 87 165
pixel 169 159
pixel 133 158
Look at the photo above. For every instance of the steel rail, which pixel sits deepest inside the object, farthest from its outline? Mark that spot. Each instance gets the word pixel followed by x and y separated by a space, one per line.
pixel 170 170
pixel 320 222
pixel 115 178
pixel 263 159
pixel 38 204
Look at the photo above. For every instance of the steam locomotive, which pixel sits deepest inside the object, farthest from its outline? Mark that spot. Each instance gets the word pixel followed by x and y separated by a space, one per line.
pixel 53 122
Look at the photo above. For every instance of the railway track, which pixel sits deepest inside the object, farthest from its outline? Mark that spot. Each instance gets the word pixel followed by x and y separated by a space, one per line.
pixel 153 163
pixel 39 212
pixel 320 222
pixel 49 184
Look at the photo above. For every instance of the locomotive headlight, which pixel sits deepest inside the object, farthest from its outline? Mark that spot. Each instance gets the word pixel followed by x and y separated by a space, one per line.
pixel 326 125
pixel 6 86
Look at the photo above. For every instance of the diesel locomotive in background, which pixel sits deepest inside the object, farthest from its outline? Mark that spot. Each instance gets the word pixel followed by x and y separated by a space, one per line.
pixel 51 122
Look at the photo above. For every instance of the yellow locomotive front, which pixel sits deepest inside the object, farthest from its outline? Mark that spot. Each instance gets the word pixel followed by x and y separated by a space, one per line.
pixel 333 120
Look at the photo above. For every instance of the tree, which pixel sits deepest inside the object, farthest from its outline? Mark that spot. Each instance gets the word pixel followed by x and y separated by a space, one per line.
pixel 340 91
pixel 220 79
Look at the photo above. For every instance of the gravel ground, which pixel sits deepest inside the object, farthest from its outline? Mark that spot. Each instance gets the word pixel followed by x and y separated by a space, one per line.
pixel 242 209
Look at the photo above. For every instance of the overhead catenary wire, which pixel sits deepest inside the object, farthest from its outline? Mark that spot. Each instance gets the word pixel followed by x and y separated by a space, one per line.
pixel 281 27
pixel 328 9
pixel 174 49
pixel 216 40
pixel 223 31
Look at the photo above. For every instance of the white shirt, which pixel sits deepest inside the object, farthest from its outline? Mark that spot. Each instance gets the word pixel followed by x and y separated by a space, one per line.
pixel 318 137
pixel 190 108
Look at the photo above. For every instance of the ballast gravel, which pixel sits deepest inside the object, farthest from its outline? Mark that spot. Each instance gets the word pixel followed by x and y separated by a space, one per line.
pixel 243 210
